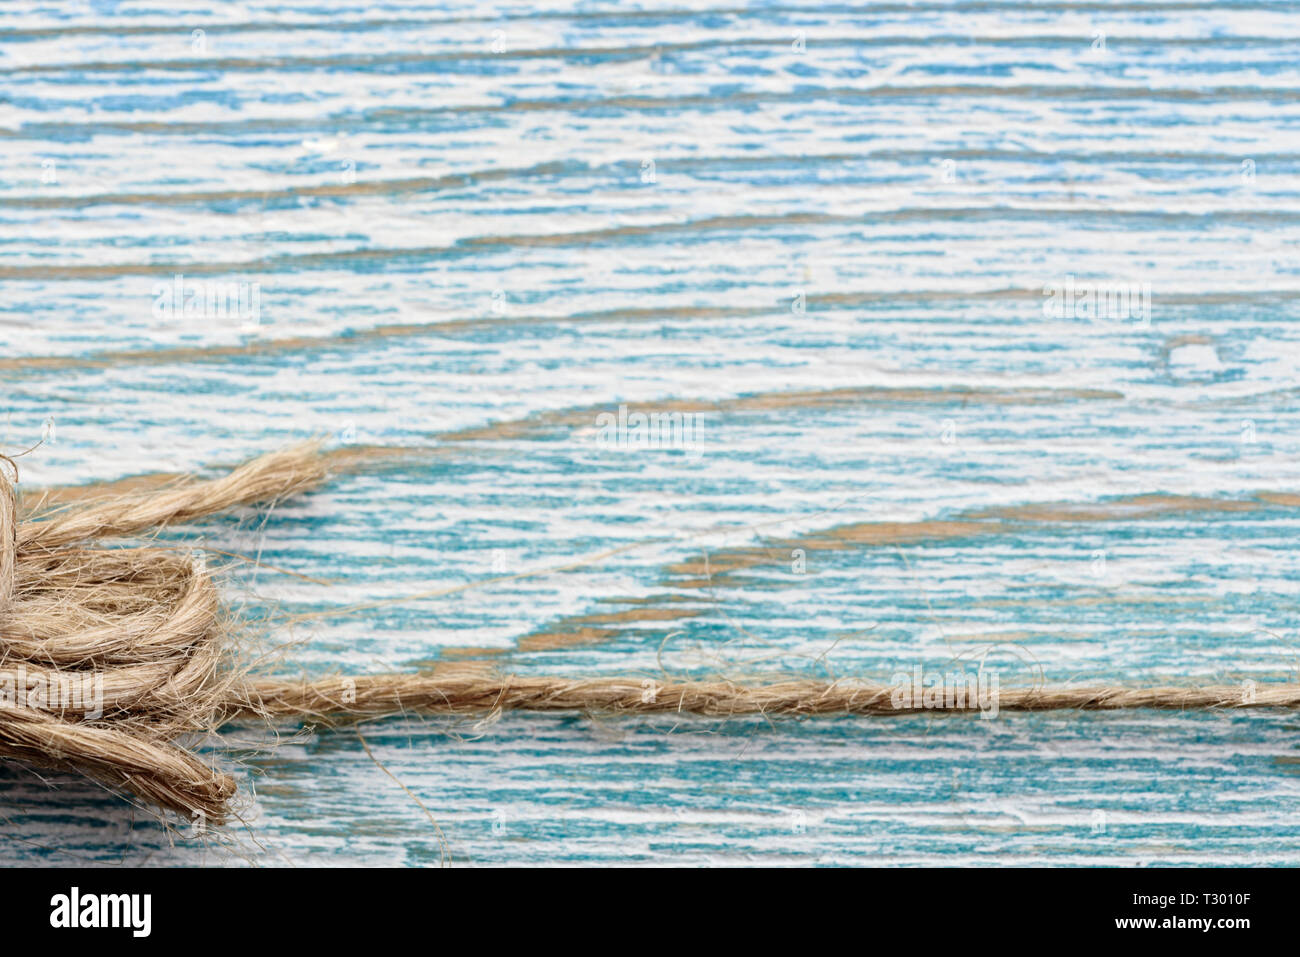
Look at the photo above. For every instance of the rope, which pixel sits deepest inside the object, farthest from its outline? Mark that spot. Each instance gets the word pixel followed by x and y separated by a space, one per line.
pixel 111 659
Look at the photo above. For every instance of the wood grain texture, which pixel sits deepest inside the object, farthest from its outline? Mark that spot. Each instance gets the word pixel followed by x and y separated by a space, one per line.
pixel 826 228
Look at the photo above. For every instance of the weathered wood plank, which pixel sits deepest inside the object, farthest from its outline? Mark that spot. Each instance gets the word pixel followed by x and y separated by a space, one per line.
pixel 826 229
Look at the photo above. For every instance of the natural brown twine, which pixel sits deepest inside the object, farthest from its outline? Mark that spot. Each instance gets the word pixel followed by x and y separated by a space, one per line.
pixel 108 656
pixel 380 695
pixel 144 627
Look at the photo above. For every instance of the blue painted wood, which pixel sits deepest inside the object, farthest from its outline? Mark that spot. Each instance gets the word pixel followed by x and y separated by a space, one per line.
pixel 826 228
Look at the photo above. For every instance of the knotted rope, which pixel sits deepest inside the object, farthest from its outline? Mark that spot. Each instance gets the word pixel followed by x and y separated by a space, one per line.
pixel 111 657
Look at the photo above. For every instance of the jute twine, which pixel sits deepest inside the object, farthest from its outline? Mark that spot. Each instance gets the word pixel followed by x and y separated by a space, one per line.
pixel 144 629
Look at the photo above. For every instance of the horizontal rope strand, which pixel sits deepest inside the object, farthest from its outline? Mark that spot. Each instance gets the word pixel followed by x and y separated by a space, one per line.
pixel 380 695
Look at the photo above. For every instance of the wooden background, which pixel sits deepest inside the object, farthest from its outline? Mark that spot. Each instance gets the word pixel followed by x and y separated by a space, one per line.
pixel 825 226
